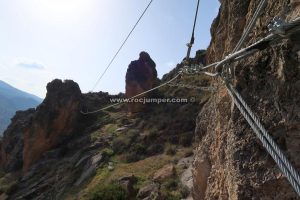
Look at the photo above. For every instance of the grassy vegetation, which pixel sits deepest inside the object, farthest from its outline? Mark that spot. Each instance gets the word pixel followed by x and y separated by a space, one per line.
pixel 188 152
pixel 107 130
pixel 124 141
pixel 173 189
pixel 108 192
pixel 130 156
pixel 170 149
pixel 143 170
pixel 2 173
pixel 7 186
pixel 99 179
pixel 158 137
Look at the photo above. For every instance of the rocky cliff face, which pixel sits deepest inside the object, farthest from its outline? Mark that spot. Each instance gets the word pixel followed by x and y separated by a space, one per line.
pixel 33 132
pixel 55 117
pixel 141 76
pixel 40 146
pixel 62 154
pixel 230 162
pixel 11 157
pixel 55 152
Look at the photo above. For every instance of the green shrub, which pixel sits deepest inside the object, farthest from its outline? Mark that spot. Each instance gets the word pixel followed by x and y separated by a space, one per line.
pixel 162 123
pixel 123 142
pixel 125 121
pixel 131 157
pixel 170 196
pixel 188 153
pixel 175 161
pixel 184 191
pixel 119 145
pixel 108 192
pixel 155 149
pixel 139 149
pixel 12 187
pixel 171 184
pixel 153 134
pixel 186 140
pixel 136 152
pixel 132 135
pixel 107 153
pixel 2 173
pixel 173 139
pixel 171 150
pixel 8 188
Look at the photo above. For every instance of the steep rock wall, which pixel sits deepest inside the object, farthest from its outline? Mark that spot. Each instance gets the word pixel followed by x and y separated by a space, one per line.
pixel 55 117
pixel 35 131
pixel 230 162
pixel 11 150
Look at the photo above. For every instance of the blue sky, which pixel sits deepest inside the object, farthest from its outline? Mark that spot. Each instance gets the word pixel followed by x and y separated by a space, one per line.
pixel 75 39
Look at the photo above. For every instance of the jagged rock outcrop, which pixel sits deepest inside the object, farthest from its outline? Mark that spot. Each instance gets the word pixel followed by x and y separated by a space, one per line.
pixel 141 76
pixel 54 118
pixel 150 191
pixel 230 162
pixel 11 150
pixel 33 132
pixel 49 145
pixel 61 151
pixel 164 173
pixel 59 156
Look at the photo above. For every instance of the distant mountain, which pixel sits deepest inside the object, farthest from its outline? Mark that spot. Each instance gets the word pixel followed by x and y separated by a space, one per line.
pixel 12 100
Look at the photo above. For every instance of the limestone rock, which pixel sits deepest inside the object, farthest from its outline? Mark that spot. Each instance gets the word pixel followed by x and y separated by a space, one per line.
pixel 185 162
pixel 141 76
pixel 121 129
pixel 230 162
pixel 187 178
pixel 164 173
pixel 54 118
pixel 148 192
pixel 89 168
pixel 127 182
pixel 11 149
pixel 3 197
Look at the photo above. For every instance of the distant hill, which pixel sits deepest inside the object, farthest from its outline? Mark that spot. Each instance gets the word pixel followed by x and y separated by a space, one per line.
pixel 11 100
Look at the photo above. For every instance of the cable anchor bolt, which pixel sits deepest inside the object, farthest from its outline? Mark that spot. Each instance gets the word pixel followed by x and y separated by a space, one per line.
pixel 278 26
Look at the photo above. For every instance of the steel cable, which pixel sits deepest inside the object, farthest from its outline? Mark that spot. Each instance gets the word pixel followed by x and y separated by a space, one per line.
pixel 266 135
pixel 138 95
pixel 250 25
pixel 265 138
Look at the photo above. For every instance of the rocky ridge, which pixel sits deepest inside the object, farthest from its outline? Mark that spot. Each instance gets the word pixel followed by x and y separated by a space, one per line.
pixel 56 152
pixel 150 156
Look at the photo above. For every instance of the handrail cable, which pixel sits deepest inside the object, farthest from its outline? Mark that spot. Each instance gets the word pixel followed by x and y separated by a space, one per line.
pixel 251 24
pixel 281 29
pixel 267 141
pixel 138 95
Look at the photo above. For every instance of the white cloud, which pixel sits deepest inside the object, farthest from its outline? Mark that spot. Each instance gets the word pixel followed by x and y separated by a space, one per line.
pixel 32 81
pixel 28 64
pixel 33 65
pixel 170 64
